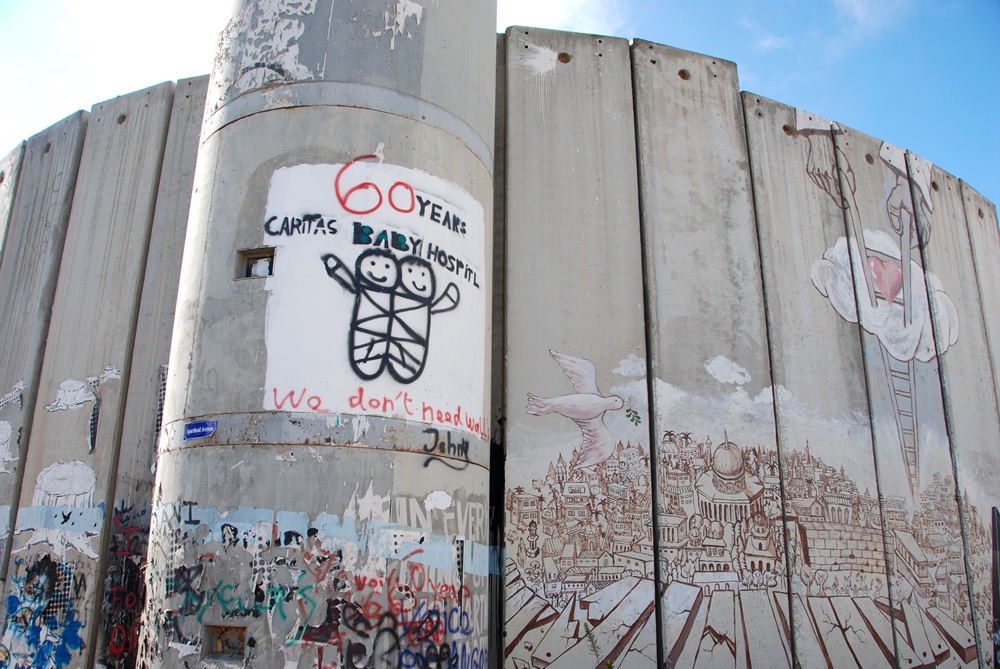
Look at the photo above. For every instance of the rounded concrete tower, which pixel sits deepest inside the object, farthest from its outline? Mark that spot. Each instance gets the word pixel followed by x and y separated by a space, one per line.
pixel 322 480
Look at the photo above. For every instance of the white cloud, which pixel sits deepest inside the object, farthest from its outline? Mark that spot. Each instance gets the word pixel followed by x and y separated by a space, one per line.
pixel 773 42
pixel 833 277
pixel 764 40
pixel 603 17
pixel 725 370
pixel 633 365
pixel 870 16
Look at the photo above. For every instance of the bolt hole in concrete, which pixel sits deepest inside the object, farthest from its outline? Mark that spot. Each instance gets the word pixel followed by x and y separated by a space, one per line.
pixel 120 119
pixel 48 147
pixel 788 130
pixel 934 185
pixel 869 159
pixel 564 57
pixel 653 61
pixel 684 74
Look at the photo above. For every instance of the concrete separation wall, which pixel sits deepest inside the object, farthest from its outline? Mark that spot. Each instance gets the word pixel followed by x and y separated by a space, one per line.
pixel 698 379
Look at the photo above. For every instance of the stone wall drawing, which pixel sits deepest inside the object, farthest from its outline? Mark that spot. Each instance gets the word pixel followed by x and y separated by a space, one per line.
pixel 721 536
pixel 579 532
pixel 866 284
pixel 74 394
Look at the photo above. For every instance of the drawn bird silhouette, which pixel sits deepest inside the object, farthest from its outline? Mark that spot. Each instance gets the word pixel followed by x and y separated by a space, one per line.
pixel 586 408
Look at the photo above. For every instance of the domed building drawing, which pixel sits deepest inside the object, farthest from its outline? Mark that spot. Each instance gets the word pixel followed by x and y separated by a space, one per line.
pixel 727 492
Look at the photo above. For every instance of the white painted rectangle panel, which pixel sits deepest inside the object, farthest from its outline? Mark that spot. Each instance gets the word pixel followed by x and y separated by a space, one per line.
pixel 65 500
pixel 578 509
pixel 717 460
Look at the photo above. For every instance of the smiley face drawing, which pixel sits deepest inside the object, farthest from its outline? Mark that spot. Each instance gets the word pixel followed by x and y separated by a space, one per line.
pixel 411 324
pixel 373 285
pixel 393 304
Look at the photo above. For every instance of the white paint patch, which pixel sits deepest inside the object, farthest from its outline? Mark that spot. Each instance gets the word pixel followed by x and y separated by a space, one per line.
pixel 725 370
pixel 313 452
pixel 539 60
pixel 360 425
pixel 395 21
pixel 371 507
pixel 285 457
pixel 184 649
pixel 438 499
pixel 389 263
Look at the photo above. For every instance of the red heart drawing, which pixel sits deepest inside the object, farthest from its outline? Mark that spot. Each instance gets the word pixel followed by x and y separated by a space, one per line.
pixel 888 277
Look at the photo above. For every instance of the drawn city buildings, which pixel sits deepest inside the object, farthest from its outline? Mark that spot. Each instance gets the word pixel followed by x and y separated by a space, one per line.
pixel 580 550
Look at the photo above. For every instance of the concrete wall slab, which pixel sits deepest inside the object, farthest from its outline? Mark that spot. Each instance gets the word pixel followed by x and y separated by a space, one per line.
pixel 76 429
pixel 133 488
pixel 719 519
pixel 10 167
pixel 33 250
pixel 578 506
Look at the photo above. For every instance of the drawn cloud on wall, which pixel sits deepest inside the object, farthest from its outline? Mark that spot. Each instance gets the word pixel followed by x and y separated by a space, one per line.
pixel 725 370
pixel 633 365
pixel 833 278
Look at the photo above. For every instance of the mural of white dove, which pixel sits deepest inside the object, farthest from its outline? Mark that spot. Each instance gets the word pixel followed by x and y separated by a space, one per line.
pixel 586 408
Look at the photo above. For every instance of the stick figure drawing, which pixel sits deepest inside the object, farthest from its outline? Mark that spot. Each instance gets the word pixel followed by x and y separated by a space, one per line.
pixel 393 303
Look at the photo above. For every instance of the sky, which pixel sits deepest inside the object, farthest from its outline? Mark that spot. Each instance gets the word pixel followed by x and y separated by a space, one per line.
pixel 921 74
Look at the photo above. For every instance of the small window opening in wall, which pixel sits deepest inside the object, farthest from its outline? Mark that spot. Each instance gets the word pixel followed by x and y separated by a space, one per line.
pixel 225 642
pixel 255 263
